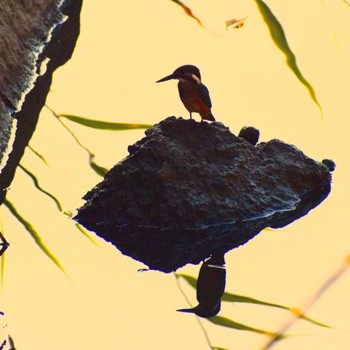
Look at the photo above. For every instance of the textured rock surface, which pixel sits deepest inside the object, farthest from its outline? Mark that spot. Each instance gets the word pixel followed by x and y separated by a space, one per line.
pixel 40 36
pixel 188 190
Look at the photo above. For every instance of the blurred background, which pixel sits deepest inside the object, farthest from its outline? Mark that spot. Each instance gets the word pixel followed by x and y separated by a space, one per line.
pixel 124 47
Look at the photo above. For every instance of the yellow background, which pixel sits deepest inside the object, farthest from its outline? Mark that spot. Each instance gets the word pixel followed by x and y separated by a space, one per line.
pixel 123 49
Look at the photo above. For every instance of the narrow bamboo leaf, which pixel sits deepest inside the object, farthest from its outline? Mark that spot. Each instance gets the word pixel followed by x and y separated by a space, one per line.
pixel 85 233
pixel 69 131
pixel 31 230
pixel 280 40
pixel 99 170
pixel 346 3
pixel 40 156
pixel 269 229
pixel 228 297
pixel 37 185
pixel 226 322
pixel 300 314
pixel 2 269
pixel 234 298
pixel 188 11
pixel 102 125
pixel 189 279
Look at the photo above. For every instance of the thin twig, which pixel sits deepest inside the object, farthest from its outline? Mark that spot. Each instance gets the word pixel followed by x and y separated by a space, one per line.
pixel 324 287
pixel 101 171
pixel 40 156
pixel 197 318
pixel 69 131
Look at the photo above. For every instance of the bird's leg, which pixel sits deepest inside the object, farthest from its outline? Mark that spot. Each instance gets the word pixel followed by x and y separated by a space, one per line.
pixel 190 115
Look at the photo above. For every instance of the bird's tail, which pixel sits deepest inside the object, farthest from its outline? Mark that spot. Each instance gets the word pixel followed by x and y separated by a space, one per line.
pixel 208 117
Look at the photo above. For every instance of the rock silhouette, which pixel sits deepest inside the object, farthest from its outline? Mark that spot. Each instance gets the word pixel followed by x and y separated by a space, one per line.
pixel 191 190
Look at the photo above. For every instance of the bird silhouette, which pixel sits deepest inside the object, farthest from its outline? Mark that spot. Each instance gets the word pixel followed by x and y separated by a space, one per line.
pixel 193 94
pixel 210 287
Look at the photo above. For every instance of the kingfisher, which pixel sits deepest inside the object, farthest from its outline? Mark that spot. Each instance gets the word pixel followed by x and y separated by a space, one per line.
pixel 210 287
pixel 193 94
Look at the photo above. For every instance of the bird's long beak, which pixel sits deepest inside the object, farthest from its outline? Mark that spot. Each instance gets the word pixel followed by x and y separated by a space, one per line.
pixel 187 310
pixel 168 77
pixel 207 310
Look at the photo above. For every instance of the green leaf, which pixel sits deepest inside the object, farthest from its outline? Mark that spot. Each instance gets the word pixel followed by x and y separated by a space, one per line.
pixel 40 156
pixel 234 298
pixel 346 3
pixel 226 322
pixel 279 38
pixel 189 279
pixel 102 125
pixel 31 230
pixel 2 269
pixel 99 170
pixel 306 318
pixel 37 185
pixel 85 233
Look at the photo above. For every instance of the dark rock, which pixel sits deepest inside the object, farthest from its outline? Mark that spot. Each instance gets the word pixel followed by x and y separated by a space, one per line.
pixel 329 164
pixel 36 38
pixel 250 134
pixel 189 190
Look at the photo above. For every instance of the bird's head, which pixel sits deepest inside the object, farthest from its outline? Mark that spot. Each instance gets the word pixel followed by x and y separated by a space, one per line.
pixel 187 72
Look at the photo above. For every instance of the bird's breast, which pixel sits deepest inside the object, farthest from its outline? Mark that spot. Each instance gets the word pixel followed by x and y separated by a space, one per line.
pixel 190 97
